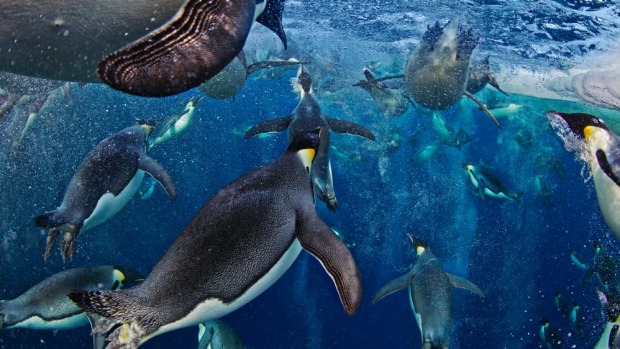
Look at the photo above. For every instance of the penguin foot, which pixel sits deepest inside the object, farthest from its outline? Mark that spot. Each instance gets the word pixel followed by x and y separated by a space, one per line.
pixel 67 245
pixel 126 336
pixel 51 238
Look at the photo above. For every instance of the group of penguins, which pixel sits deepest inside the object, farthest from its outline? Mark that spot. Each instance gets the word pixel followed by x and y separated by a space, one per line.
pixel 255 227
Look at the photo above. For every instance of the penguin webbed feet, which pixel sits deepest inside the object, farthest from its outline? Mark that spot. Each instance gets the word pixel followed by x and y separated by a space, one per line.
pixel 125 336
pixel 67 243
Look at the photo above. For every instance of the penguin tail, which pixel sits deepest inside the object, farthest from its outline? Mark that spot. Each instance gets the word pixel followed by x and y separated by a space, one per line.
pixel 50 219
pixel 120 311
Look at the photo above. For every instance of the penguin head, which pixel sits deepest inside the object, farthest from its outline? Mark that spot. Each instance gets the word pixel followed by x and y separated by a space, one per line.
pixel 306 145
pixel 303 82
pixel 576 123
pixel 124 275
pixel 419 244
pixel 147 125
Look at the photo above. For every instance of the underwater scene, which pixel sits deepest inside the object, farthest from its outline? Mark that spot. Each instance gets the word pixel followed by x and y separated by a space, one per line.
pixel 309 174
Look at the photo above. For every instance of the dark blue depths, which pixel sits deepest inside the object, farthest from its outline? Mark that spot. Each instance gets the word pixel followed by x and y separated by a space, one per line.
pixel 518 254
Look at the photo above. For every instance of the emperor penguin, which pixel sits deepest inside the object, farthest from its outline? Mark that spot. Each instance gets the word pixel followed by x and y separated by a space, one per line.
pixel 603 266
pixel 229 82
pixel 610 338
pixel 307 116
pixel 216 334
pixel 430 295
pixel 437 71
pixel 489 185
pixel 237 246
pixel 389 98
pixel 177 125
pixel 480 76
pixel 597 145
pixel 104 183
pixel 150 48
pixel 550 336
pixel 45 306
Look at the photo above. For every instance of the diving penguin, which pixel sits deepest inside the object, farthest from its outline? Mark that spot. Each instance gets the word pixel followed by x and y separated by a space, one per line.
pixel 236 247
pixel 177 125
pixel 216 334
pixel 229 82
pixel 610 338
pixel 45 306
pixel 603 266
pixel 597 145
pixel 144 47
pixel 105 182
pixel 436 73
pixel 430 295
pixel 489 185
pixel 480 76
pixel 307 116
pixel 390 100
pixel 550 336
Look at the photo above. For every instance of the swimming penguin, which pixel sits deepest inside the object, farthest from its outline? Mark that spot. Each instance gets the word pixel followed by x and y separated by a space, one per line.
pixel 561 304
pixel 216 334
pixel 236 247
pixel 610 338
pixel 46 306
pixel 151 48
pixel 597 145
pixel 307 116
pixel 489 185
pixel 550 336
pixel 480 76
pixel 177 125
pixel 105 182
pixel 229 82
pixel 430 295
pixel 390 100
pixel 603 266
pixel 577 320
pixel 437 71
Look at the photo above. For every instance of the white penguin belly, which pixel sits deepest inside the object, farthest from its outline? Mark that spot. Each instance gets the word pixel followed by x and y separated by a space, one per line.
pixel 37 323
pixel 214 308
pixel 499 195
pixel 109 204
pixel 608 195
pixel 176 130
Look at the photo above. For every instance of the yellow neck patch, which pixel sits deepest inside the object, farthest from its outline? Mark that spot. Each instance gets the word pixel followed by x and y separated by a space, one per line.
pixel 306 156
pixel 420 249
pixel 118 275
pixel 588 131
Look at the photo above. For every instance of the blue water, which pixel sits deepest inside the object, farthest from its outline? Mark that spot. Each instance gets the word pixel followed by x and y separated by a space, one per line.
pixel 518 254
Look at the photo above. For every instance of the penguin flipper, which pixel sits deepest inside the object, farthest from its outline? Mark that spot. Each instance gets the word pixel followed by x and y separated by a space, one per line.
pixel 273 125
pixel 321 242
pixel 99 341
pixel 460 282
pixel 253 68
pixel 397 284
pixel 341 126
pixel 195 45
pixel 155 169
pixel 272 19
